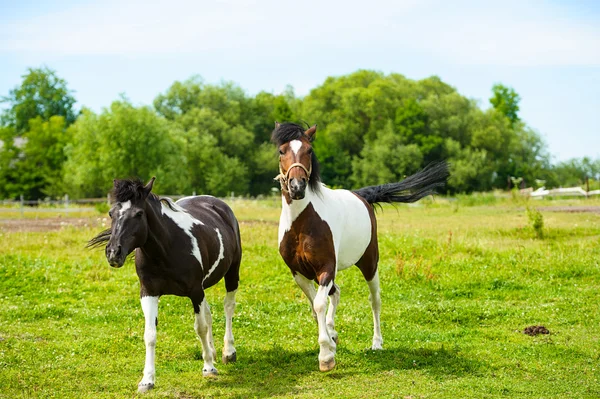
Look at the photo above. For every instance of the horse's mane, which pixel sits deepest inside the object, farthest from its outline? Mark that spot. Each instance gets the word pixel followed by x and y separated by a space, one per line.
pixel 286 132
pixel 126 190
pixel 129 190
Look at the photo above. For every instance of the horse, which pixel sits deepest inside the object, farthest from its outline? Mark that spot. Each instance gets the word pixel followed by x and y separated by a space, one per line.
pixel 323 231
pixel 181 248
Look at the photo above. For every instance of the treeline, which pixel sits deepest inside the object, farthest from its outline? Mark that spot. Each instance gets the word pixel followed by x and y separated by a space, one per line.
pixel 197 137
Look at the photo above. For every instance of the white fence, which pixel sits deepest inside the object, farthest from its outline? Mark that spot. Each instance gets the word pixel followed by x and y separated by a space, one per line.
pixel 559 192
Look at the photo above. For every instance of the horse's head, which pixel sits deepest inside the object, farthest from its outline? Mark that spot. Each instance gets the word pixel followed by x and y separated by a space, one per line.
pixel 296 159
pixel 129 227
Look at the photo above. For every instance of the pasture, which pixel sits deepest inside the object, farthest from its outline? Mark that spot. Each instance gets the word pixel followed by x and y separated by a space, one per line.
pixel 460 281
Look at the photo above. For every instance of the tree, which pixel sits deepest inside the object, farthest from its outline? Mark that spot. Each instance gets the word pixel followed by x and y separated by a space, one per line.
pixel 124 141
pixel 41 94
pixel 506 101
pixel 386 159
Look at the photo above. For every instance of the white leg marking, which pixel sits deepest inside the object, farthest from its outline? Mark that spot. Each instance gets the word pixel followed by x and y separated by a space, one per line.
pixel 375 299
pixel 295 145
pixel 203 327
pixel 150 309
pixel 334 300
pixel 186 222
pixel 219 259
pixel 308 287
pixel 327 346
pixel 229 354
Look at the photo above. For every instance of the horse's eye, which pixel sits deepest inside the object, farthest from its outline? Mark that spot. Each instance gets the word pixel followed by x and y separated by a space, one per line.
pixel 281 152
pixel 110 214
pixel 309 151
pixel 139 214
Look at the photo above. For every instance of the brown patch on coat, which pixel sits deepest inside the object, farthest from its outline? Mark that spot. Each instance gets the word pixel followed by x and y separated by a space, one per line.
pixel 368 262
pixel 307 248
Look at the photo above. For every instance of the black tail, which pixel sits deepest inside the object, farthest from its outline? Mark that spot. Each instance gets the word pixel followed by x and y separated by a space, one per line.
pixel 411 189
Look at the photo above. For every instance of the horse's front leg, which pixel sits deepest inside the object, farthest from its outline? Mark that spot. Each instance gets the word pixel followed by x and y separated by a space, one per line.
pixel 308 287
pixel 203 327
pixel 334 300
pixel 326 343
pixel 150 309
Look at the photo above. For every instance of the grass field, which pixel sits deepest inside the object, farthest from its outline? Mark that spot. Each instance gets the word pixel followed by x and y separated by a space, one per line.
pixel 460 281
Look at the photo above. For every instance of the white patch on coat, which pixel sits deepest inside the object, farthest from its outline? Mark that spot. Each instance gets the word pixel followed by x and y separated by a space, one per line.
pixel 124 207
pixel 186 222
pixel 219 258
pixel 345 214
pixel 295 145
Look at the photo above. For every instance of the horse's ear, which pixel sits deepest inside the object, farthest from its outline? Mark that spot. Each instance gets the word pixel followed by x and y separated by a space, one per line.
pixel 310 132
pixel 148 187
pixel 277 124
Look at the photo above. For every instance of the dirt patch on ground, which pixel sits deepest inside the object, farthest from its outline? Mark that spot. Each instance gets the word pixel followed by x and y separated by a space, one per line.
pixel 571 209
pixel 535 330
pixel 46 224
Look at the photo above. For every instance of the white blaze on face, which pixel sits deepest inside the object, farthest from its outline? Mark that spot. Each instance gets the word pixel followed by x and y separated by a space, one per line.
pixel 295 145
pixel 186 222
pixel 124 207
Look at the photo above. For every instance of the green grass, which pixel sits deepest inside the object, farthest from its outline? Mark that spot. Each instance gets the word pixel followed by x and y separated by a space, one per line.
pixel 459 285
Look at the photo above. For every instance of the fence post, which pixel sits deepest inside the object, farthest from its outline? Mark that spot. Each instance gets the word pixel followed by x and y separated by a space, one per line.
pixel 66 200
pixel 587 186
pixel 108 199
pixel 22 202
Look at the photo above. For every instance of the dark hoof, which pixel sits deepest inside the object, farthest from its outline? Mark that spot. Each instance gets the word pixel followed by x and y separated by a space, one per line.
pixel 145 387
pixel 229 359
pixel 327 366
pixel 209 373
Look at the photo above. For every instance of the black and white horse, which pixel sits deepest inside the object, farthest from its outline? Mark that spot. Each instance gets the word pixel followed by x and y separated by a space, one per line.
pixel 323 231
pixel 181 248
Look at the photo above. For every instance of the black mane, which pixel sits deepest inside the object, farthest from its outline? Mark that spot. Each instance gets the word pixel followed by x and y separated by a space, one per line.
pixel 128 190
pixel 286 132
pixel 124 190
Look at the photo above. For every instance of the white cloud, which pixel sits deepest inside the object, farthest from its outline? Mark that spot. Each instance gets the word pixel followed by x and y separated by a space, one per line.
pixel 510 33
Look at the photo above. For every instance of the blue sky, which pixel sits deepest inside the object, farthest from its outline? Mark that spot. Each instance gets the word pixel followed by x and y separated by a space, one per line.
pixel 548 51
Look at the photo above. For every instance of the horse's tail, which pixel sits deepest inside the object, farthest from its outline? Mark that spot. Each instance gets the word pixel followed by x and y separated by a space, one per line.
pixel 411 189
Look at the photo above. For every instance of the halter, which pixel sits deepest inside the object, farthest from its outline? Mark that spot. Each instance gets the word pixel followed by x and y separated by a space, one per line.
pixel 283 177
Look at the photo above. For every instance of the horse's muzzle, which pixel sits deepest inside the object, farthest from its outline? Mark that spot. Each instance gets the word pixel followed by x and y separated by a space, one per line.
pixel 297 188
pixel 114 256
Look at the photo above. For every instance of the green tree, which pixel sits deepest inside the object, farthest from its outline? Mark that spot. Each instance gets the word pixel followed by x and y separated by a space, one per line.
pixel 41 94
pixel 506 100
pixel 124 141
pixel 386 159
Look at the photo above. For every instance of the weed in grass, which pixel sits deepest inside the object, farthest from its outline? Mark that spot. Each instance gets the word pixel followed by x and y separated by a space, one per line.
pixel 536 220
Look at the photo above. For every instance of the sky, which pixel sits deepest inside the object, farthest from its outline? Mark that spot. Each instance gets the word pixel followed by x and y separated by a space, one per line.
pixel 548 51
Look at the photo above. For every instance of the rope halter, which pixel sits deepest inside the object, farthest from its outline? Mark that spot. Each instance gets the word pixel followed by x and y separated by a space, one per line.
pixel 283 178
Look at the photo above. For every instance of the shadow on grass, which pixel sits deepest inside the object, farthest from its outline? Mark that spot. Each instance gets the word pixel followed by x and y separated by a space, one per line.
pixel 278 371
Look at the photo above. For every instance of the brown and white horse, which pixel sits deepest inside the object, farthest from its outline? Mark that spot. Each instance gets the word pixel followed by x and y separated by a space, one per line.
pixel 181 248
pixel 323 231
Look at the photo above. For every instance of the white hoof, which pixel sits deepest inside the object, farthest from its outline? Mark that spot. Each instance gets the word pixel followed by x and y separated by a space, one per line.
pixel 212 372
pixel 229 358
pixel 327 365
pixel 145 387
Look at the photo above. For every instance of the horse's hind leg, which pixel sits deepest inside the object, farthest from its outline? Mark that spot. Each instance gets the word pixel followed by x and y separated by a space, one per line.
pixel 150 309
pixel 231 285
pixel 203 327
pixel 334 300
pixel 368 266
pixel 375 299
